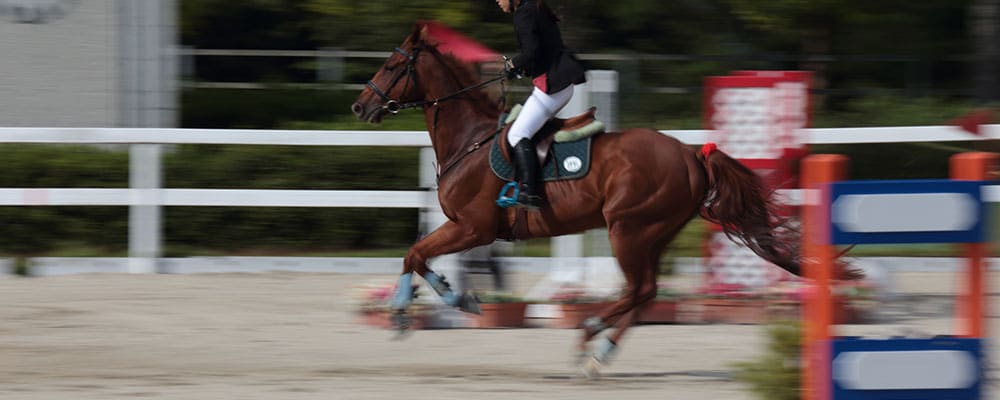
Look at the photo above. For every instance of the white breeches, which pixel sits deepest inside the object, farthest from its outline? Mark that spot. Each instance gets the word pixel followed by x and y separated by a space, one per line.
pixel 536 111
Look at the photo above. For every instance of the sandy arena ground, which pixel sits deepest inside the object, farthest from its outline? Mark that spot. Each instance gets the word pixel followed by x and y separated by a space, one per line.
pixel 293 336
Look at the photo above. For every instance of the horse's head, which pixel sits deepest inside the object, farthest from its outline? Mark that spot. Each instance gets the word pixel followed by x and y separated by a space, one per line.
pixel 395 86
pixel 417 74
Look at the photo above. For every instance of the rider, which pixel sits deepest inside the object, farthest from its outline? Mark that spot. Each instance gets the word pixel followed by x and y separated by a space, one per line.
pixel 554 70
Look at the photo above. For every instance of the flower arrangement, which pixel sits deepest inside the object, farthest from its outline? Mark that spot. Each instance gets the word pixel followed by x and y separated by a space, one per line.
pixel 666 291
pixel 373 302
pixel 572 294
pixel 500 310
pixel 576 303
pixel 788 290
pixel 375 297
pixel 857 290
pixel 719 290
pixel 497 297
pixel 793 290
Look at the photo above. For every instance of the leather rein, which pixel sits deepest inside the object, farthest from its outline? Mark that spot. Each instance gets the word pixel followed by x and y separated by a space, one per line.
pixel 393 106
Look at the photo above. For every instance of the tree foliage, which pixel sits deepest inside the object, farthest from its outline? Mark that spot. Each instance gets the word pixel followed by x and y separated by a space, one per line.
pixel 916 43
pixel 684 26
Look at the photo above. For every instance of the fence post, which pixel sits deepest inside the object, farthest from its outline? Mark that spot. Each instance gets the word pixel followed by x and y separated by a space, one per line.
pixel 603 87
pixel 149 100
pixel 144 225
pixel 970 307
pixel 817 264
pixel 330 65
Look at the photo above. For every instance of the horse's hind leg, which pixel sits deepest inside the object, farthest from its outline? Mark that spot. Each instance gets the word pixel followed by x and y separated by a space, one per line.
pixel 639 267
pixel 643 297
pixel 638 256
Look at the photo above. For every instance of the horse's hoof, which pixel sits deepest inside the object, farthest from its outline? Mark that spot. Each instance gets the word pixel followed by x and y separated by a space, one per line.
pixel 591 368
pixel 401 323
pixel 470 304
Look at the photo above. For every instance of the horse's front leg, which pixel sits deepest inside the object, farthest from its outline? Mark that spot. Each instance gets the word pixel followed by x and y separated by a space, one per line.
pixel 449 238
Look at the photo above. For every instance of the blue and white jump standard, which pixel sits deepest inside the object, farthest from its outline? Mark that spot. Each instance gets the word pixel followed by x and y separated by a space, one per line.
pixel 876 212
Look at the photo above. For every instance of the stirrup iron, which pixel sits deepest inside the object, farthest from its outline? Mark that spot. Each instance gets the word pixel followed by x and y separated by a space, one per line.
pixel 505 201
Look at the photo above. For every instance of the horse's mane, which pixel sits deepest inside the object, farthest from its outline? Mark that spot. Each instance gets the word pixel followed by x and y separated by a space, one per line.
pixel 487 98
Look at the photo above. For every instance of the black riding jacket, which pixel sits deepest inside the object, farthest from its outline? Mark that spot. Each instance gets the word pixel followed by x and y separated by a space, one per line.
pixel 543 51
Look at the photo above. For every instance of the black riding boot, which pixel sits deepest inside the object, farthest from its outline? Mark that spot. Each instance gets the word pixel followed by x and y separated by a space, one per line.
pixel 526 165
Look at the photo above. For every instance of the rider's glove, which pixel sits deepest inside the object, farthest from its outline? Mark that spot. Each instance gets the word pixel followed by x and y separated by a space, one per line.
pixel 509 71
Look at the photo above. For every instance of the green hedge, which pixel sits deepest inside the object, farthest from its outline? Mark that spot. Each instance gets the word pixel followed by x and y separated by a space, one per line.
pixel 196 230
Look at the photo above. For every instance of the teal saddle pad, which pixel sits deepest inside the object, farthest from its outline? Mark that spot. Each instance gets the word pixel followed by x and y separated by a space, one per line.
pixel 569 160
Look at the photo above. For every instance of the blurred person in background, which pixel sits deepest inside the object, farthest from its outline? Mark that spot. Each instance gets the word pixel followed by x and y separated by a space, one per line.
pixel 554 70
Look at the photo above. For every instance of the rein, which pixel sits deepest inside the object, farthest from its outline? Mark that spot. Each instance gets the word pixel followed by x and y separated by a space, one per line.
pixel 394 106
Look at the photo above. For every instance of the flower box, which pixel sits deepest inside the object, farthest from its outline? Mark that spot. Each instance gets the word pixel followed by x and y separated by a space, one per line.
pixel 844 312
pixel 660 312
pixel 574 313
pixel 501 315
pixel 735 311
pixel 382 319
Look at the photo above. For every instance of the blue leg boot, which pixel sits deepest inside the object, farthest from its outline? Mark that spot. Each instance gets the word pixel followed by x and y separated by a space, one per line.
pixel 466 302
pixel 405 292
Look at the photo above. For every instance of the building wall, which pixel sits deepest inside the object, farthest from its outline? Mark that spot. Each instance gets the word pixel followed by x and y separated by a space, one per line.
pixel 58 63
pixel 88 63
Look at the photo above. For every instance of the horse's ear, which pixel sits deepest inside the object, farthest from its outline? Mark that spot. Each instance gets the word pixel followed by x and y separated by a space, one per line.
pixel 420 33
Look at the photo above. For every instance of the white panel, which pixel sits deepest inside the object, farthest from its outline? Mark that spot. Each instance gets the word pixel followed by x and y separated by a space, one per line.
pixel 917 212
pixel 896 370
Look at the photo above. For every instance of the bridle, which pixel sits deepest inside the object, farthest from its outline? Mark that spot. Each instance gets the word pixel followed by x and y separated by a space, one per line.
pixel 391 105
pixel 394 106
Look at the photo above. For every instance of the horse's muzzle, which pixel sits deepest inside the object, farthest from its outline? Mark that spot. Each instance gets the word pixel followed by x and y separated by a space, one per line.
pixel 370 114
pixel 358 109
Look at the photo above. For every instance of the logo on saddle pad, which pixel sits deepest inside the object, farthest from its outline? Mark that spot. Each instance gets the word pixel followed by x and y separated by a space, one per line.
pixel 572 164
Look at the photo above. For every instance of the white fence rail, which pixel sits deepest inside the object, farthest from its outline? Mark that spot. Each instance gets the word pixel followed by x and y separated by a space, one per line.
pixel 901 134
pixel 216 197
pixel 146 196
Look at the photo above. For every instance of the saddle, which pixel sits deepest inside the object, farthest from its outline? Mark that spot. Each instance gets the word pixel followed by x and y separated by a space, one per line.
pixel 563 147
pixel 555 130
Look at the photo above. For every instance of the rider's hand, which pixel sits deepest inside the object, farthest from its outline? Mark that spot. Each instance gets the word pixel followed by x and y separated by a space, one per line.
pixel 509 71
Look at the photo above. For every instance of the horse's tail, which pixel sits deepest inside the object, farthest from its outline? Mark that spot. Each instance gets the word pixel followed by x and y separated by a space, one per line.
pixel 740 202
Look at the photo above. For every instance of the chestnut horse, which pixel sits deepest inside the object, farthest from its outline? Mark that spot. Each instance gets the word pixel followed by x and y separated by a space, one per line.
pixel 643 186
